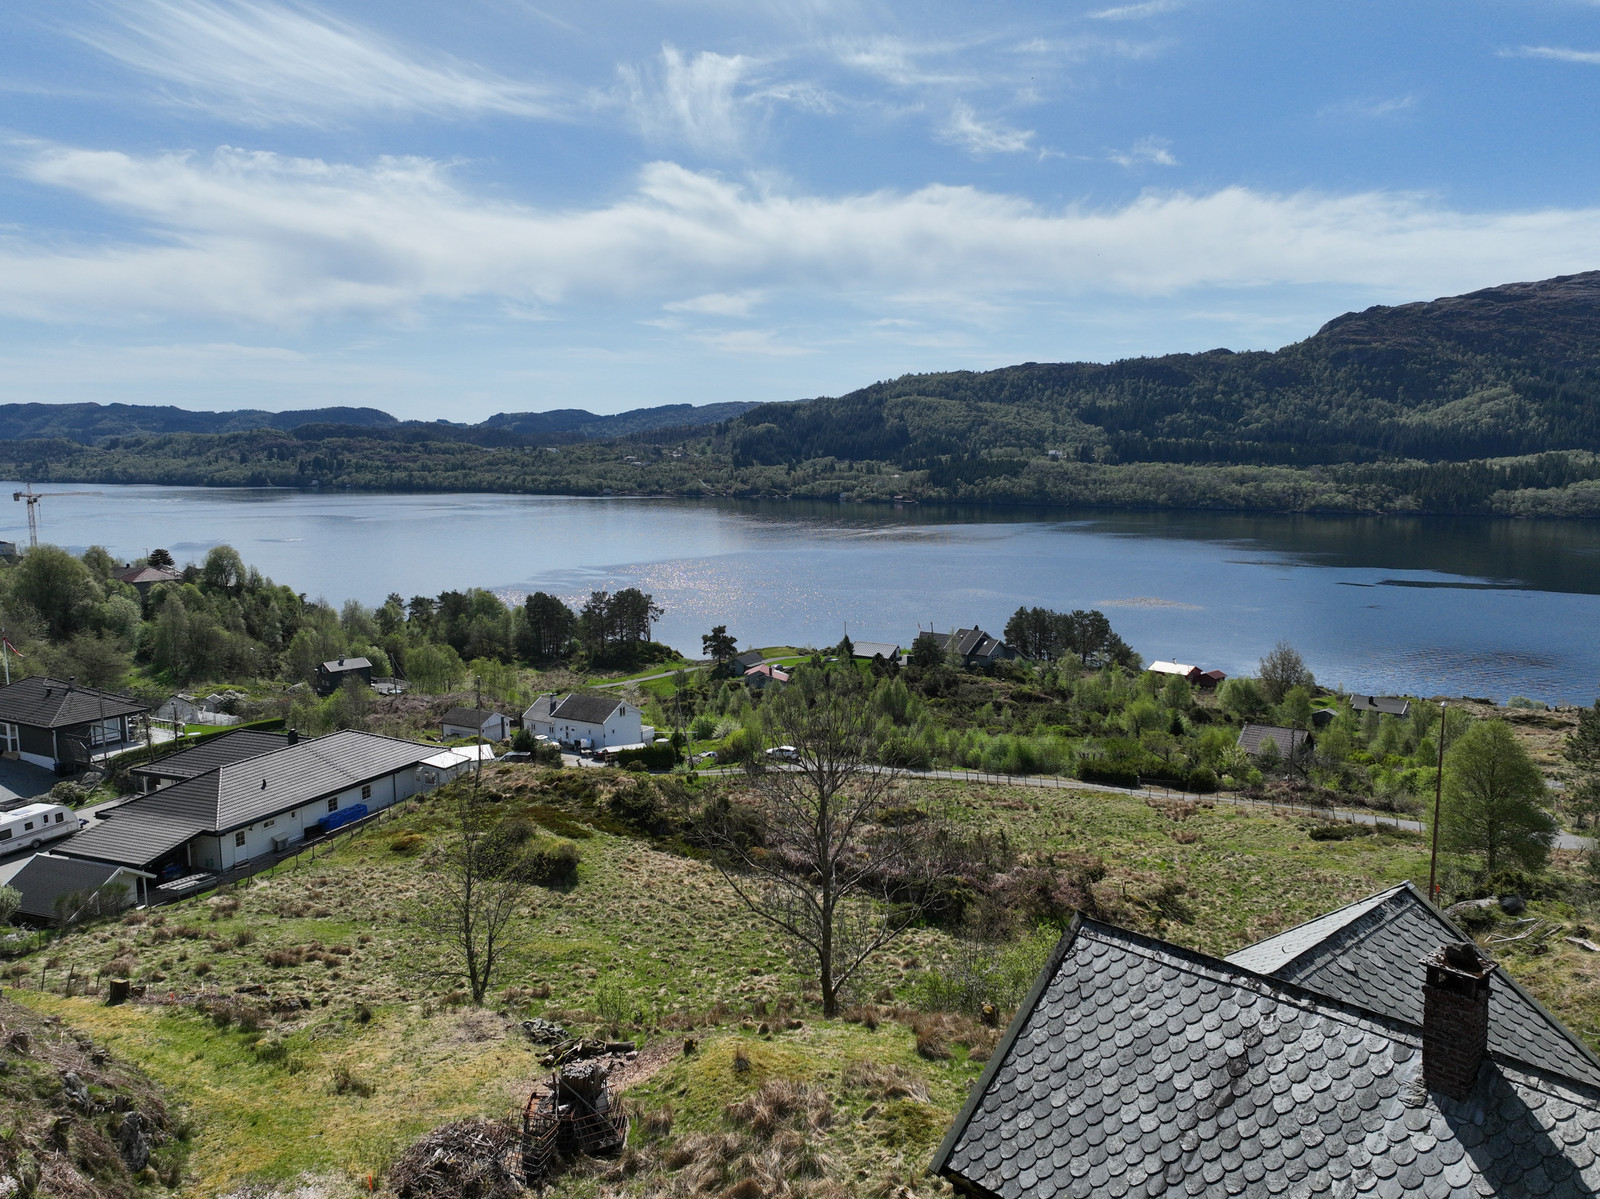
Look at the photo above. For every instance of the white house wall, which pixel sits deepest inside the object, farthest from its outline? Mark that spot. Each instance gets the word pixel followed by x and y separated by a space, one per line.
pixel 293 825
pixel 622 730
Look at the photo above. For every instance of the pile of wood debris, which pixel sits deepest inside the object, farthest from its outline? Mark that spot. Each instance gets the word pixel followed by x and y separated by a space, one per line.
pixel 469 1159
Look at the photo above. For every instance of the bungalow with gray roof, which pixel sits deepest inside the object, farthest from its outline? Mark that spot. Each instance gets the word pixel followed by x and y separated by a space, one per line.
pixel 255 806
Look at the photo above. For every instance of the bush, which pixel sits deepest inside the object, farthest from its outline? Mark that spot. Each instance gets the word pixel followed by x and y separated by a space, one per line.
pixel 652 757
pixel 1112 774
pixel 549 862
pixel 1340 832
pixel 1202 779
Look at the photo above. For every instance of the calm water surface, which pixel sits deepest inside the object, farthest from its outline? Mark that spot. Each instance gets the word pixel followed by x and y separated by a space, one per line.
pixel 1430 606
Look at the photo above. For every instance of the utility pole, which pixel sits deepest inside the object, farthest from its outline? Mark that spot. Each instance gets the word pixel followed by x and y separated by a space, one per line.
pixel 477 748
pixel 1438 796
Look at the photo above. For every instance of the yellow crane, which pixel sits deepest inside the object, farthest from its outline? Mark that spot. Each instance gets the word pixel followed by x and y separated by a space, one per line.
pixel 33 497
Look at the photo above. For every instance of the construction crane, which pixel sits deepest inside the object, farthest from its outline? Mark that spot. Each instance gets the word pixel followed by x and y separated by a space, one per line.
pixel 33 497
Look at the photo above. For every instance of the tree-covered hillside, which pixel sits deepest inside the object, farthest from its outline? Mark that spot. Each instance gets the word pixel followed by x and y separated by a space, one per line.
pixel 1508 371
pixel 1481 404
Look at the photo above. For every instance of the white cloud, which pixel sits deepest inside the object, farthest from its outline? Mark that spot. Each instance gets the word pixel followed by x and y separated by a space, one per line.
pixel 762 342
pixel 267 64
pixel 693 100
pixel 1147 151
pixel 1369 106
pixel 263 239
pixel 1138 12
pixel 977 136
pixel 1557 53
pixel 717 304
pixel 900 61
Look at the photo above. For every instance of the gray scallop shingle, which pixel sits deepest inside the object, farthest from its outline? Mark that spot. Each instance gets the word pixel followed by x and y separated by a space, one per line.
pixel 1144 1069
pixel 1370 954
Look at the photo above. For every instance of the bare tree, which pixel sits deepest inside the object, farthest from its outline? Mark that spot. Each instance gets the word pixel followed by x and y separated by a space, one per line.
pixel 469 913
pixel 809 849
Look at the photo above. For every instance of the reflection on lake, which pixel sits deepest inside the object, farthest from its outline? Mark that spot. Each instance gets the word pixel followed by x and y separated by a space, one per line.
pixel 1425 605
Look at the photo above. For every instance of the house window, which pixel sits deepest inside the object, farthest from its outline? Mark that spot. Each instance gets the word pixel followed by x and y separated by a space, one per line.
pixel 366 791
pixel 9 741
pixel 102 731
pixel 268 823
pixel 238 838
pixel 333 804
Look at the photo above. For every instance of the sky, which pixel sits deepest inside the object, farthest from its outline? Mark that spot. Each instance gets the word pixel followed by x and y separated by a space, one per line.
pixel 452 210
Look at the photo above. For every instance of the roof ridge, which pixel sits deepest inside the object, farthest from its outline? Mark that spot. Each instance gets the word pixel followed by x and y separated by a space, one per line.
pixel 1374 901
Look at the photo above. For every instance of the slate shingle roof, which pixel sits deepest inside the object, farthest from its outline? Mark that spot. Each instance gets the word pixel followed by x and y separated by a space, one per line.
pixel 232 796
pixel 212 753
pixel 1370 954
pixel 750 657
pixel 589 709
pixel 1139 1068
pixel 472 718
pixel 342 664
pixel 52 703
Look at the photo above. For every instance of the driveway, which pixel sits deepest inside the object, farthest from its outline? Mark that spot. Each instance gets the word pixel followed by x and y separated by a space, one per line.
pixel 22 783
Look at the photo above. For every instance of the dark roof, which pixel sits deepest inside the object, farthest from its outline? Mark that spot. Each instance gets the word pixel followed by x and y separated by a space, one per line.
pixel 346 664
pixel 469 717
pixel 1139 1068
pixel 46 879
pixel 233 796
pixel 1389 705
pixel 876 649
pixel 1370 954
pixel 52 704
pixel 212 753
pixel 750 657
pixel 589 709
pixel 1253 736
pixel 966 642
pixel 145 574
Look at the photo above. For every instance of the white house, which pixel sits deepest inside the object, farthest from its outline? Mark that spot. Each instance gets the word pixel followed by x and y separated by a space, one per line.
pixel 601 720
pixel 476 722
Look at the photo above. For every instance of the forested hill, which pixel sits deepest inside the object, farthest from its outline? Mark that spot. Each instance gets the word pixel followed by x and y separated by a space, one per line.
pixel 1506 371
pixel 1484 403
pixel 93 424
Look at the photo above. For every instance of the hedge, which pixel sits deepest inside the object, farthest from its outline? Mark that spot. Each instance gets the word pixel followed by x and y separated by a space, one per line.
pixel 654 757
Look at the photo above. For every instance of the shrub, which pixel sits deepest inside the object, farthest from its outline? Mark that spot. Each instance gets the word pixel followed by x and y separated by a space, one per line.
pixel 1112 774
pixel 1202 779
pixel 549 862
pixel 407 844
pixel 1340 832
pixel 346 1083
pixel 651 757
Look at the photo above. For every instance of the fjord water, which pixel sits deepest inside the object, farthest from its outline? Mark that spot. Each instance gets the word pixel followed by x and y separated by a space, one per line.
pixel 1432 606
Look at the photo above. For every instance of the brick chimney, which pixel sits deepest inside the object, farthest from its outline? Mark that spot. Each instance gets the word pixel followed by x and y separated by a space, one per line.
pixel 1455 1018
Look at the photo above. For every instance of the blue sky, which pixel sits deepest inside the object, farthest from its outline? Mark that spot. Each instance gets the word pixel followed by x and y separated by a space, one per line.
pixel 512 205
